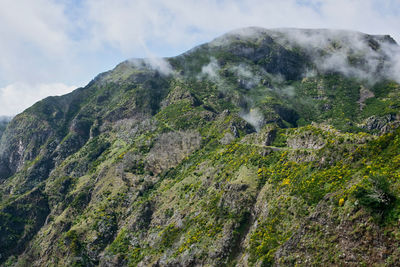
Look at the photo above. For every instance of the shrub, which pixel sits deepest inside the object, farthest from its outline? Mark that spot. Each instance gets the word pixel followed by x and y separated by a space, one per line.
pixel 375 195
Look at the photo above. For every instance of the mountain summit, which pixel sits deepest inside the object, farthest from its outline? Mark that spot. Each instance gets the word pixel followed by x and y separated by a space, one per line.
pixel 262 147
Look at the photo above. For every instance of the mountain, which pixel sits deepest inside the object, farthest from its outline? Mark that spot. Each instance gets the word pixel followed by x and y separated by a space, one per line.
pixel 262 147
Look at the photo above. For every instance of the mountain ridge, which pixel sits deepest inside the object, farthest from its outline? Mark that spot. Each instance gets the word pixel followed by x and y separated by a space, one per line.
pixel 228 154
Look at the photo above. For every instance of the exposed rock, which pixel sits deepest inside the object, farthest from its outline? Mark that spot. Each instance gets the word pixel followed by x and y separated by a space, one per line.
pixel 227 139
pixel 178 94
pixel 364 95
pixel 377 122
pixel 306 140
pixel 390 127
pixel 170 149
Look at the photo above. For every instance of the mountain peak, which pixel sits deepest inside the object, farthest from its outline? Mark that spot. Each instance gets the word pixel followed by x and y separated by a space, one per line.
pixel 299 33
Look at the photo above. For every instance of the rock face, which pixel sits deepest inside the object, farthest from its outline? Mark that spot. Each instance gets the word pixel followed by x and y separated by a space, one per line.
pixel 170 149
pixel 305 140
pixel 364 95
pixel 259 148
pixel 378 122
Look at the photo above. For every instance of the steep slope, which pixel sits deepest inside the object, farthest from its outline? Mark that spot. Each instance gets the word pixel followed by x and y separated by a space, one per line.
pixel 261 147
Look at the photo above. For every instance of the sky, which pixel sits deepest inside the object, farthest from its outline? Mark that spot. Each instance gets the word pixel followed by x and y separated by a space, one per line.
pixel 50 47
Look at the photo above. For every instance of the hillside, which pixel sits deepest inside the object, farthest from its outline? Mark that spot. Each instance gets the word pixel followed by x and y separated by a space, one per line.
pixel 262 147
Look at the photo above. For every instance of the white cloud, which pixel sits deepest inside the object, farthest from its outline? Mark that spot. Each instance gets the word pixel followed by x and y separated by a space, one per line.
pixel 254 117
pixel 247 77
pixel 159 64
pixel 16 97
pixel 132 25
pixel 211 70
pixel 339 45
pixel 393 71
pixel 33 37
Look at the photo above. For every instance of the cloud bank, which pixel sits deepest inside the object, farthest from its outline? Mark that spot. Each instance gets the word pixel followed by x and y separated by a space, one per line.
pixel 351 53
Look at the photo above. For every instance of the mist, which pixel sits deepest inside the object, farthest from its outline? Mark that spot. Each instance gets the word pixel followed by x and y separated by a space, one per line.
pixel 246 76
pixel 351 53
pixel 210 71
pixel 254 117
pixel 154 63
pixel 5 119
pixel 393 54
